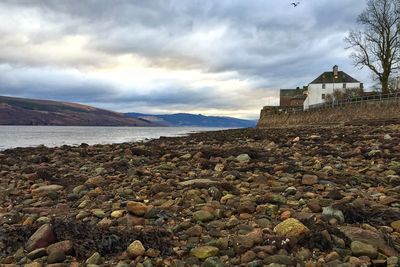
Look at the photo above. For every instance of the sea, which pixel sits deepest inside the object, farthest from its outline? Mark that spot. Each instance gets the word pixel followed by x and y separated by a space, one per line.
pixel 53 136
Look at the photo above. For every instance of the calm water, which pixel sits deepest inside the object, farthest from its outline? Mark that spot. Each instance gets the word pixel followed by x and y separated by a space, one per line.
pixel 24 136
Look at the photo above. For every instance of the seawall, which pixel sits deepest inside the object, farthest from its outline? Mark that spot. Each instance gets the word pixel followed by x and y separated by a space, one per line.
pixel 350 114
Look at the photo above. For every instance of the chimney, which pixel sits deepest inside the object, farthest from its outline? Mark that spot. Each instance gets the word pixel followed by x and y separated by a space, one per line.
pixel 335 71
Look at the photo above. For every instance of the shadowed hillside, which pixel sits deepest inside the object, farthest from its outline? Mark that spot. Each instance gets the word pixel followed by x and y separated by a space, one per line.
pixel 21 111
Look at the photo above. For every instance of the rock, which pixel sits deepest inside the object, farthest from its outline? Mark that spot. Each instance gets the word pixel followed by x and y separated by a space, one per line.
pixel 248 256
pixel 247 207
pixel 362 249
pixel 204 252
pixel 396 225
pixel 66 246
pixel 203 216
pixel 280 259
pixel 42 238
pixel 332 256
pixel 94 259
pixel 387 137
pixel 136 249
pixel 56 256
pixel 369 237
pixel 136 208
pixel 47 189
pixel 243 158
pixel 99 213
pixel 328 213
pixel 219 167
pixel 37 253
pixel 215 193
pixel 291 228
pixel 212 262
pixel 309 179
pixel 117 214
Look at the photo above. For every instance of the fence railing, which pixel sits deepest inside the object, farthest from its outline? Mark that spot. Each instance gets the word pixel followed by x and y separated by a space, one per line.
pixel 357 100
pixel 378 97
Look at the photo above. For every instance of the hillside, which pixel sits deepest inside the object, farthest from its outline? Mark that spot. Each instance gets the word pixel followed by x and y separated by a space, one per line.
pixel 184 119
pixel 21 111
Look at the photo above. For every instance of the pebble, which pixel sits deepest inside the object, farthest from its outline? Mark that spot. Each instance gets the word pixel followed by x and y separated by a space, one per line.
pixel 136 249
pixel 204 252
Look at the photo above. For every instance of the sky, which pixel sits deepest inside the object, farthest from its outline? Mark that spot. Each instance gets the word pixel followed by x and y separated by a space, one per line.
pixel 214 57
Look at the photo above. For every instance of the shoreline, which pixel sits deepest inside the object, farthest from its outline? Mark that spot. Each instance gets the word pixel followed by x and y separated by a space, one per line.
pixel 239 197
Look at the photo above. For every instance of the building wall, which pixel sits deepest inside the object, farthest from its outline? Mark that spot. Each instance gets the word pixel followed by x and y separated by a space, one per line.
pixel 316 91
pixel 365 112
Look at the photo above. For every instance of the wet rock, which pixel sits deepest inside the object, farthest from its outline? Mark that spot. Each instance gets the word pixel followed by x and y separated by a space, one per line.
pixel 42 238
pixel 362 249
pixel 204 252
pixel 291 228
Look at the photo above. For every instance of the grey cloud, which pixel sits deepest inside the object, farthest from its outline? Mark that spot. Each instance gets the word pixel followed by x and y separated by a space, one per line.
pixel 266 42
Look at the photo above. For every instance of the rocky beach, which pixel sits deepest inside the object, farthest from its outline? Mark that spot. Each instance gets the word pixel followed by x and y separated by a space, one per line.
pixel 306 196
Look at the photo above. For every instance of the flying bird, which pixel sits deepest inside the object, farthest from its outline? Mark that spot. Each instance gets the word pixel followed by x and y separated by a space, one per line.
pixel 295 4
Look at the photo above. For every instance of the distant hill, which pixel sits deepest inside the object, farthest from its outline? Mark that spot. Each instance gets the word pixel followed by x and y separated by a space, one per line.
pixel 184 119
pixel 22 111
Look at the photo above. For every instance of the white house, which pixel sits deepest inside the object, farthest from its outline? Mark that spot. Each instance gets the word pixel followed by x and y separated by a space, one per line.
pixel 326 83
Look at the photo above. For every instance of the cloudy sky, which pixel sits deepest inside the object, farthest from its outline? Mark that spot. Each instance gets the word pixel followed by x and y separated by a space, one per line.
pixel 215 57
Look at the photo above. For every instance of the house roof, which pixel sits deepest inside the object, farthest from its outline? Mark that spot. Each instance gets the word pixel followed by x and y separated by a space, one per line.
pixel 327 77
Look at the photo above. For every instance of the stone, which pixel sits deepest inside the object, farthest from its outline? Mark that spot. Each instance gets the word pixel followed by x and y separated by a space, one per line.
pixel 362 249
pixel 243 158
pixel 204 252
pixel 99 213
pixel 136 249
pixel 291 228
pixel 248 256
pixel 117 214
pixel 136 208
pixel 369 237
pixel 37 253
pixel 332 256
pixel 280 259
pixel 47 189
pixel 396 226
pixel 66 246
pixel 94 259
pixel 309 179
pixel 56 256
pixel 328 213
pixel 212 262
pixel 42 238
pixel 203 216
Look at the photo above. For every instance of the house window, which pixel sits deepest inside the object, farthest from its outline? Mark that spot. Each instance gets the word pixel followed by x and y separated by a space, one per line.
pixel 323 96
pixel 344 86
pixel 323 86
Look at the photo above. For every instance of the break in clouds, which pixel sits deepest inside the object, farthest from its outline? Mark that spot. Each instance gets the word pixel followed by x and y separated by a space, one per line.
pixel 226 57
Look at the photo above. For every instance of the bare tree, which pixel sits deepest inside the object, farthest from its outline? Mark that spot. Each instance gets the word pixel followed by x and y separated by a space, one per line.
pixel 377 44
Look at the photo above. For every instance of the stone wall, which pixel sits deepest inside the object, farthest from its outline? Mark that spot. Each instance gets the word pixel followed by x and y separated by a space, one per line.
pixel 364 112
